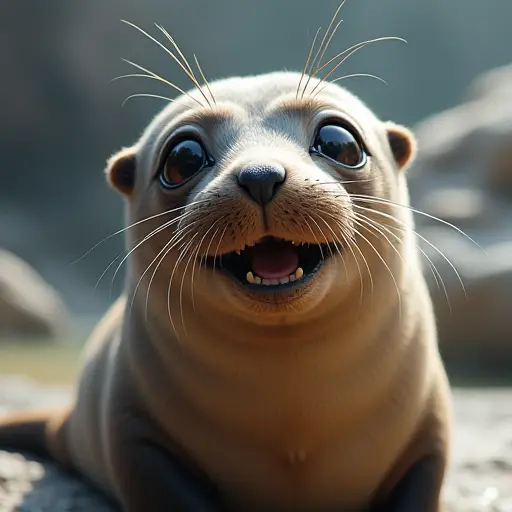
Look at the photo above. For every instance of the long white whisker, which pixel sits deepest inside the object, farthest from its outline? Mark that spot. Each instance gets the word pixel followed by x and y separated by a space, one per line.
pixel 437 275
pixel 182 284
pixel 218 247
pixel 147 95
pixel 367 222
pixel 386 265
pixel 346 54
pixel 160 79
pixel 372 286
pixel 176 265
pixel 307 63
pixel 193 77
pixel 169 243
pixel 335 245
pixel 321 47
pixel 353 75
pixel 146 238
pixel 313 233
pixel 158 43
pixel 370 199
pixel 204 79
pixel 167 212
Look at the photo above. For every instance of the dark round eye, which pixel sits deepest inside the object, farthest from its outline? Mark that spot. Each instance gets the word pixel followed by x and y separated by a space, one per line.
pixel 338 144
pixel 183 162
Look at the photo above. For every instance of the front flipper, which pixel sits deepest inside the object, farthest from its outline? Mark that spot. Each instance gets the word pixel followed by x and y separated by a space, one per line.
pixel 149 477
pixel 419 489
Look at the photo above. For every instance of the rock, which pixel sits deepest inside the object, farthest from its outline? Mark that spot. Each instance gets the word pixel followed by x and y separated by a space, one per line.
pixel 478 478
pixel 28 305
pixel 463 176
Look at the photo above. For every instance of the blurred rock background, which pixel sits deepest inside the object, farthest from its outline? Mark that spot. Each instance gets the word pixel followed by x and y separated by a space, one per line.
pixel 61 118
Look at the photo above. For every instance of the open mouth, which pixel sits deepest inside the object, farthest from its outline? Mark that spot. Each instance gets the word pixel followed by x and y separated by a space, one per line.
pixel 273 262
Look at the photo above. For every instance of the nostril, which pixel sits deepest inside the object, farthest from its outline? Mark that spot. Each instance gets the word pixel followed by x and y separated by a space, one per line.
pixel 261 181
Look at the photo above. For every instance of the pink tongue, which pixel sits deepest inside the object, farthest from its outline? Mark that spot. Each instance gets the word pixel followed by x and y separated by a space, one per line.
pixel 274 260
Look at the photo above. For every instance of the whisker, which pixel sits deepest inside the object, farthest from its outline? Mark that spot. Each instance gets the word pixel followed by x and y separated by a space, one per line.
pixel 398 221
pixel 323 234
pixel 330 38
pixel 182 285
pixel 186 71
pixel 307 63
pixel 181 256
pixel 313 233
pixel 195 261
pixel 204 79
pixel 350 246
pixel 144 95
pixel 118 232
pixel 385 264
pixel 321 47
pixel 354 75
pixel 108 267
pixel 150 75
pixel 336 245
pixel 338 182
pixel 173 242
pixel 437 275
pixel 218 246
pixel 369 199
pixel 170 242
pixel 160 79
pixel 346 54
pixel 367 222
pixel 209 246
pixel 177 48
pixel 147 237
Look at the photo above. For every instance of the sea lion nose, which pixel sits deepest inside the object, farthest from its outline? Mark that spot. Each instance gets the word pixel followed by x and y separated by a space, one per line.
pixel 261 181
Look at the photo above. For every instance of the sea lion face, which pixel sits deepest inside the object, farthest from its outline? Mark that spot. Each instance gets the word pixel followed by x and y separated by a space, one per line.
pixel 260 190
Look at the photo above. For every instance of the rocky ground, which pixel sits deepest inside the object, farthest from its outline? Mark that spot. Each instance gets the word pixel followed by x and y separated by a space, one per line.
pixel 479 480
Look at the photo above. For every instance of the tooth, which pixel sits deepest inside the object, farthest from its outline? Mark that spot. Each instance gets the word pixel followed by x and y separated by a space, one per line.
pixel 266 282
pixel 274 281
pixel 257 279
pixel 251 244
pixel 238 252
pixel 292 278
pixel 250 277
pixel 299 273
pixel 284 280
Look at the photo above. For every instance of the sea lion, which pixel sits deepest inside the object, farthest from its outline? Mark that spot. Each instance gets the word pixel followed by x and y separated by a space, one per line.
pixel 275 347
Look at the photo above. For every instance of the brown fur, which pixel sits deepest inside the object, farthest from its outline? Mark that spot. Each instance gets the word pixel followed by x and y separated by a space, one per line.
pixel 331 396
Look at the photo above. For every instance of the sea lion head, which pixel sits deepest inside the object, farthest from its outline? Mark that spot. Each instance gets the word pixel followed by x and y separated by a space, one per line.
pixel 259 197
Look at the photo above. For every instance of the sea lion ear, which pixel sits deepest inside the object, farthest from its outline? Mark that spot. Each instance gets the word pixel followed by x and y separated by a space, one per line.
pixel 402 143
pixel 121 169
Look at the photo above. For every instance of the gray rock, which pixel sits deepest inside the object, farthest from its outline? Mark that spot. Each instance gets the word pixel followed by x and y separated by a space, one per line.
pixel 463 176
pixel 28 305
pixel 478 479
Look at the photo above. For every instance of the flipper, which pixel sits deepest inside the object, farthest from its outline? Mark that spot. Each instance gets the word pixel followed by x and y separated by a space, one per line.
pixel 38 432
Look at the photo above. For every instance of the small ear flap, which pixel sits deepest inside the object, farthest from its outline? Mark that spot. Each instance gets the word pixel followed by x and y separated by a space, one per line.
pixel 121 171
pixel 403 144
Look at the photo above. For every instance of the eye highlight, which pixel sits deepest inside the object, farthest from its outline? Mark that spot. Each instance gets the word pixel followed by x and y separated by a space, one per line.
pixel 339 145
pixel 183 162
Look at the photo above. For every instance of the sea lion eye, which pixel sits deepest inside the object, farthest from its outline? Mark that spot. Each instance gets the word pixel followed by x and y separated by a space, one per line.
pixel 183 162
pixel 338 144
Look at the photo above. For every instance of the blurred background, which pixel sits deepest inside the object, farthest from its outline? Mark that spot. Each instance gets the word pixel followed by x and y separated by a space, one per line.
pixel 62 118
